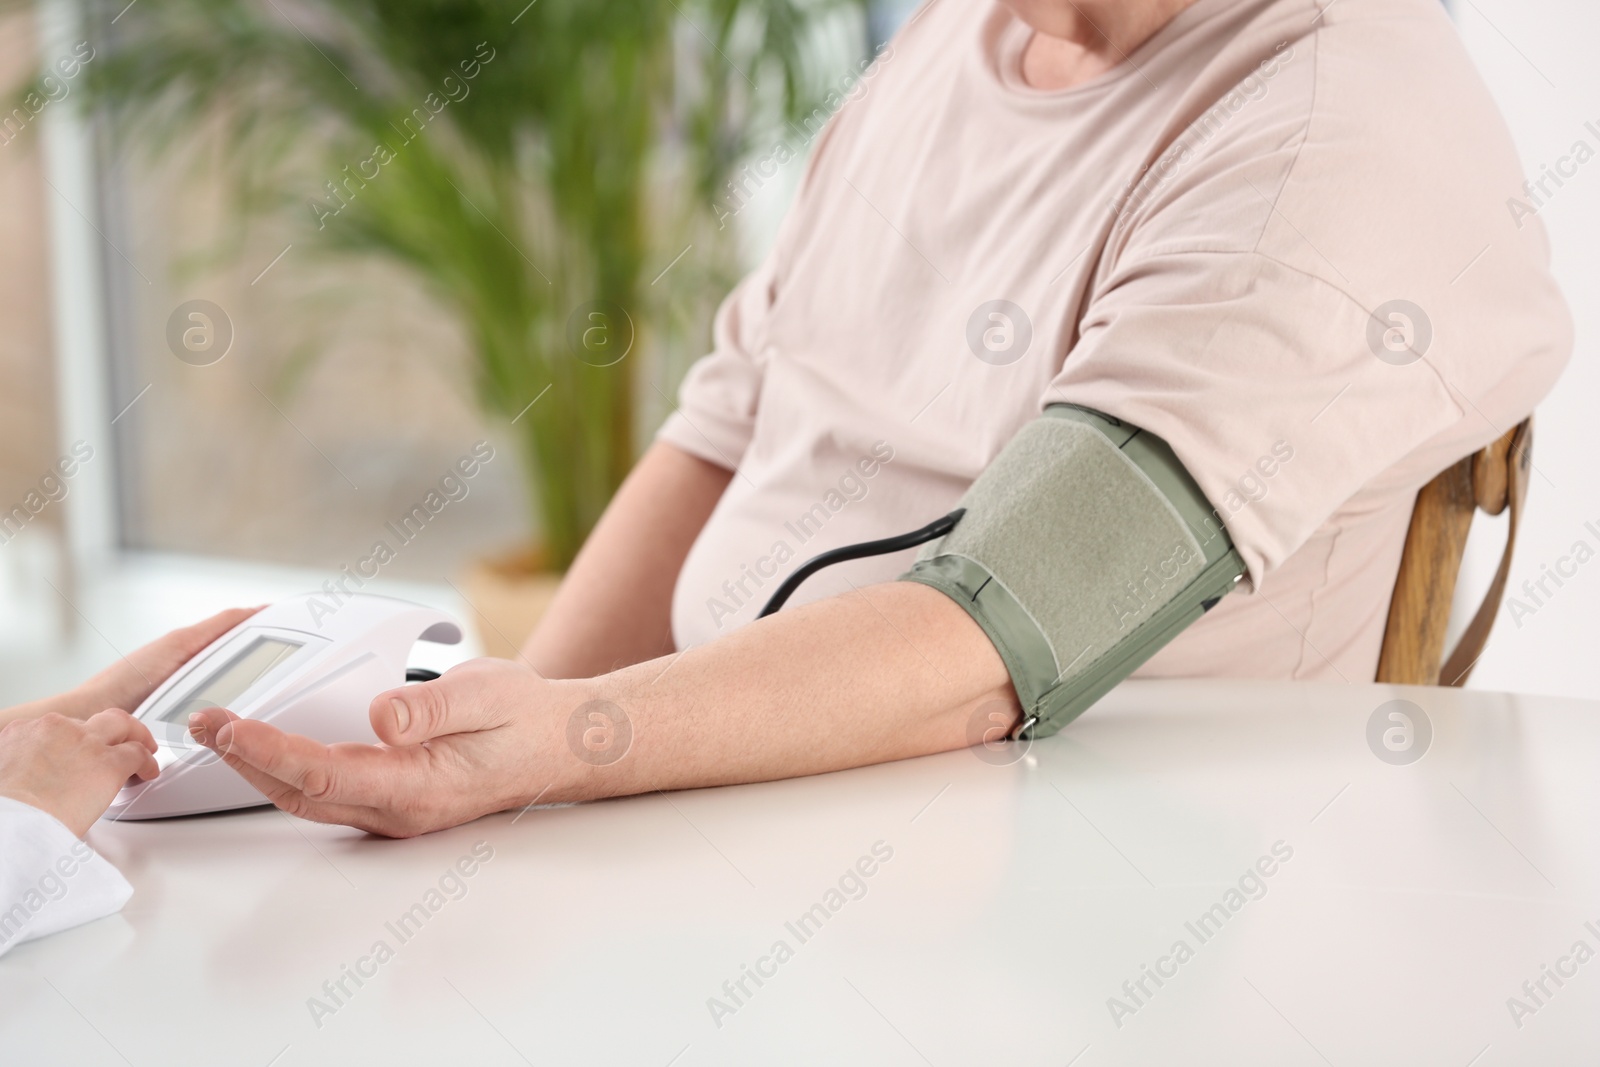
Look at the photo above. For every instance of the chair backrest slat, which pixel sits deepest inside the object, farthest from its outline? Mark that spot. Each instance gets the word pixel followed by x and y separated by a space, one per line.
pixel 1419 612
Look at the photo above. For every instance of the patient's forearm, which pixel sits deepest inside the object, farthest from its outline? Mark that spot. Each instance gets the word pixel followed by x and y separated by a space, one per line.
pixel 614 607
pixel 884 673
pixel 888 672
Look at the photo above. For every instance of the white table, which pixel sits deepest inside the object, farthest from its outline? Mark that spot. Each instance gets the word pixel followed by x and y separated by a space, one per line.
pixel 1018 899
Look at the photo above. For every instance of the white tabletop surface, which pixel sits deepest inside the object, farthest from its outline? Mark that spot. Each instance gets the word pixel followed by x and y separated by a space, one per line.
pixel 1020 896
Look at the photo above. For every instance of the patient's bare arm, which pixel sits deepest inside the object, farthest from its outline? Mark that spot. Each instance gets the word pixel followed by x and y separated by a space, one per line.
pixel 887 672
pixel 603 706
pixel 614 607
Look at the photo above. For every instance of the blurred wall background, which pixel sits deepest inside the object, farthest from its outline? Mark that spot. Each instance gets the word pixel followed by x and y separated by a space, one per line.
pixel 27 396
pixel 343 397
pixel 28 426
pixel 1536 56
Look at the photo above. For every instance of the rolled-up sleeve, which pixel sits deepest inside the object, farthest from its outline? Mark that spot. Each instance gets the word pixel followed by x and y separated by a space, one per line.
pixel 717 402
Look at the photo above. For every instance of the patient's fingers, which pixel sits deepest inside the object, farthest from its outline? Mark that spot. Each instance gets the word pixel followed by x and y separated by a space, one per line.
pixel 381 790
pixel 340 774
pixel 344 774
pixel 296 803
pixel 203 725
pixel 216 729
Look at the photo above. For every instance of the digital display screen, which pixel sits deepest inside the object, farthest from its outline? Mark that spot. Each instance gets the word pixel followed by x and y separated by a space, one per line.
pixel 224 685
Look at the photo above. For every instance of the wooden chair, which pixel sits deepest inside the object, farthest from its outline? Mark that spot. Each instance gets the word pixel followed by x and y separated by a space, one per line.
pixel 1413 641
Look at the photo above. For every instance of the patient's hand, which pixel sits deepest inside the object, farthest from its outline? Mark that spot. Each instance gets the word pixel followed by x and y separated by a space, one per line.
pixel 132 678
pixel 73 769
pixel 485 737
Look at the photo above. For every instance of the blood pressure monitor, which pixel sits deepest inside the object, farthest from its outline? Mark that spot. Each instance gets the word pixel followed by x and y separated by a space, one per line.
pixel 306 665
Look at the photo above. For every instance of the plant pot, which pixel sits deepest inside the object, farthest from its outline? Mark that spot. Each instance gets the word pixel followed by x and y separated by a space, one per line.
pixel 508 594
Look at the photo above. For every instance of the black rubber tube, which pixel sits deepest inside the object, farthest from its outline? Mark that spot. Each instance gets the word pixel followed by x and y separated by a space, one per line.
pixel 937 528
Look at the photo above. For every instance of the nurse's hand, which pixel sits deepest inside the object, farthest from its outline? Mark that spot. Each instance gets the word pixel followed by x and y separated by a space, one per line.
pixel 132 678
pixel 483 738
pixel 72 769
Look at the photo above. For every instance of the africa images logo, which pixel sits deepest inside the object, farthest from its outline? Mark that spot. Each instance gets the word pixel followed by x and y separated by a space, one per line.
pixel 1399 732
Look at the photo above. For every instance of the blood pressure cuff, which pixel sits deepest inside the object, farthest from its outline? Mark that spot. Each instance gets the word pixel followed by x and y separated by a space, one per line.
pixel 1084 549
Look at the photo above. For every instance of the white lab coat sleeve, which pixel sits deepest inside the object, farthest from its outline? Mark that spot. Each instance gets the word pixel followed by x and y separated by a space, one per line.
pixel 49 880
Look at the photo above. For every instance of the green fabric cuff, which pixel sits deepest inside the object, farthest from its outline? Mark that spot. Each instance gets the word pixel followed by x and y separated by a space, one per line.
pixel 1085 548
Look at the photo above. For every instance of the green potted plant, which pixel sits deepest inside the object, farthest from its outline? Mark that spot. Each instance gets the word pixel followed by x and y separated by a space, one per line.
pixel 533 164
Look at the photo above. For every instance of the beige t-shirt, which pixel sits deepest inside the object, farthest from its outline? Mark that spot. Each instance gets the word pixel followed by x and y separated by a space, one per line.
pixel 1277 236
